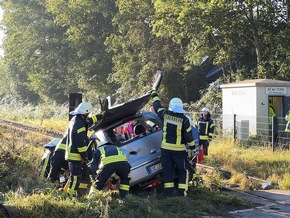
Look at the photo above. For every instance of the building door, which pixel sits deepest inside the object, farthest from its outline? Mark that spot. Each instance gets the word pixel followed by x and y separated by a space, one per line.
pixel 277 102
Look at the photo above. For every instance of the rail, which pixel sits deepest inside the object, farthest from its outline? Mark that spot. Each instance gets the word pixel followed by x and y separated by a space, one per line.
pixel 30 128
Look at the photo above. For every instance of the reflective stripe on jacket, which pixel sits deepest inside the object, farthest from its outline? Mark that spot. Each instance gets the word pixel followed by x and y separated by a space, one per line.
pixel 76 145
pixel 106 155
pixel 177 131
pixel 205 128
pixel 61 146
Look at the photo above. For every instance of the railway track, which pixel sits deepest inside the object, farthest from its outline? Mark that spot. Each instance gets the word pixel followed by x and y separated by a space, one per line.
pixel 27 128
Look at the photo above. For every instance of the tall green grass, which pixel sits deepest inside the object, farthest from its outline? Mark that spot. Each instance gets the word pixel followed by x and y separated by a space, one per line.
pixel 27 196
pixel 260 162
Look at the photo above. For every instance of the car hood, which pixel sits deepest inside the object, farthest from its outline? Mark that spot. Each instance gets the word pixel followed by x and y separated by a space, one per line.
pixel 121 111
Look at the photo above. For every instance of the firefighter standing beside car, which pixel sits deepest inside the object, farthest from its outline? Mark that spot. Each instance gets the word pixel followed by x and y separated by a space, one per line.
pixel 58 161
pixel 76 144
pixel 177 132
pixel 206 129
pixel 108 160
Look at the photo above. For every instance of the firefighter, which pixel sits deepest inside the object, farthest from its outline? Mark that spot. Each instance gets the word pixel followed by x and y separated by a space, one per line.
pixel 76 144
pixel 108 160
pixel 192 160
pixel 287 118
pixel 272 112
pixel 206 129
pixel 46 158
pixel 177 132
pixel 273 133
pixel 58 161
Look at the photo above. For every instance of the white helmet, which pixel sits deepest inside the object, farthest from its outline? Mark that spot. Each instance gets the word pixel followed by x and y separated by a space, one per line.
pixel 205 109
pixel 176 105
pixel 83 108
pixel 52 143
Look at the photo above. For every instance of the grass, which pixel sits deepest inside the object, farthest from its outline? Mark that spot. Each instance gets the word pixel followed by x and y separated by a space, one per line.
pixel 28 196
pixel 243 161
pixel 49 114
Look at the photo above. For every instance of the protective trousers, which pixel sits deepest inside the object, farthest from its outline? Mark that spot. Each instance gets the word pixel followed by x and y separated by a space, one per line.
pixel 57 162
pixel 171 161
pixel 75 169
pixel 204 144
pixel 122 169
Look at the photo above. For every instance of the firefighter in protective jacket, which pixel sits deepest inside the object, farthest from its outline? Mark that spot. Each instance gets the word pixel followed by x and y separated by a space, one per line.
pixel 58 161
pixel 108 160
pixel 206 129
pixel 76 144
pixel 287 118
pixel 177 132
pixel 46 158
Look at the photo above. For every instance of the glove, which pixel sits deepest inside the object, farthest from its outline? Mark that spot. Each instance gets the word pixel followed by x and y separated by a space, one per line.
pixel 96 118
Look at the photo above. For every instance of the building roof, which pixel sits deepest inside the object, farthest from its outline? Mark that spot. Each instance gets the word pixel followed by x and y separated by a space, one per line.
pixel 257 82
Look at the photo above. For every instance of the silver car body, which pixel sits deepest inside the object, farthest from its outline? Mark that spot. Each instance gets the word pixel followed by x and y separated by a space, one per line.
pixel 143 151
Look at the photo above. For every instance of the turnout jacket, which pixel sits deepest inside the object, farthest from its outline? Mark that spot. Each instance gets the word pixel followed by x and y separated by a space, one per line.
pixel 61 146
pixel 106 155
pixel 77 139
pixel 177 131
pixel 205 128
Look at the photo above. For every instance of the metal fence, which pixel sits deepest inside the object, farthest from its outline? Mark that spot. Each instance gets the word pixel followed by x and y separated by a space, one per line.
pixel 253 130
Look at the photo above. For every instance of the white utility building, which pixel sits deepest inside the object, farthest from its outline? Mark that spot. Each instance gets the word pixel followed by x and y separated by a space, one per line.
pixel 249 101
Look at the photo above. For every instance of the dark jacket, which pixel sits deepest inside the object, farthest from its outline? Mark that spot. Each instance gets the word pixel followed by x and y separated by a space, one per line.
pixel 205 128
pixel 107 154
pixel 76 145
pixel 177 131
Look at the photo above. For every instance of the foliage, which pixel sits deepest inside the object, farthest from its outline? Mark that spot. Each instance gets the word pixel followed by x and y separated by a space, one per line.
pixel 50 115
pixel 88 24
pixel 243 37
pixel 56 47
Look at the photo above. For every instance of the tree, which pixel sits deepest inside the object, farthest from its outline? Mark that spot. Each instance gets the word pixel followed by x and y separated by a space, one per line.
pixel 36 51
pixel 88 24
pixel 139 52
pixel 246 38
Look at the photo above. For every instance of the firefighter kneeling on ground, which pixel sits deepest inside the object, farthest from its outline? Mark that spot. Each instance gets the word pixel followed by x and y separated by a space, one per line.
pixel 108 160
pixel 46 158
